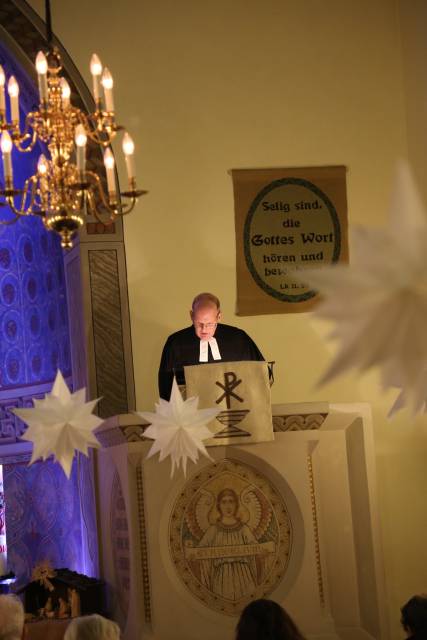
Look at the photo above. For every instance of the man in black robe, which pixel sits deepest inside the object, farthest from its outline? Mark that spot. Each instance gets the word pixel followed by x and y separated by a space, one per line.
pixel 204 341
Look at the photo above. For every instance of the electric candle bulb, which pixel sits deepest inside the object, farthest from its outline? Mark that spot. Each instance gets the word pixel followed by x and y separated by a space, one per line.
pixel 42 165
pixel 128 149
pixel 80 138
pixel 107 83
pixel 96 70
pixel 128 145
pixel 109 159
pixel 41 68
pixel 2 83
pixel 95 65
pixel 65 93
pixel 109 165
pixel 13 91
pixel 41 63
pixel 6 150
pixel 6 142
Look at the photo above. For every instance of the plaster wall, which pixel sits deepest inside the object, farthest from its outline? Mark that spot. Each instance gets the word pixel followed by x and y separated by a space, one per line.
pixel 209 86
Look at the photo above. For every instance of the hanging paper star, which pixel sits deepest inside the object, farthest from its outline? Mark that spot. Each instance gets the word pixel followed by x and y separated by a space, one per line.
pixel 379 302
pixel 178 429
pixel 417 399
pixel 60 424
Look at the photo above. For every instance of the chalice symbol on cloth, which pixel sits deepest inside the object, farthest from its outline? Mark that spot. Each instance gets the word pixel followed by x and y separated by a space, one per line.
pixel 231 417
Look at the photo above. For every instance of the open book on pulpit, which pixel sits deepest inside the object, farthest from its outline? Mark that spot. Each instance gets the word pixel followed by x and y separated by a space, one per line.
pixel 242 391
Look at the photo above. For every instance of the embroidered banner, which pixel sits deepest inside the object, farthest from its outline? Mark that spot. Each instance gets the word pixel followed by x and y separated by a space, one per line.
pixel 286 220
pixel 242 391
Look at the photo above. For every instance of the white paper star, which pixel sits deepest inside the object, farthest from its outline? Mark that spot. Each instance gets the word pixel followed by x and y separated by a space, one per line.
pixel 379 302
pixel 178 429
pixel 60 424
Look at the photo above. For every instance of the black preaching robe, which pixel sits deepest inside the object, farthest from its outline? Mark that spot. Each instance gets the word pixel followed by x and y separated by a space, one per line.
pixel 183 348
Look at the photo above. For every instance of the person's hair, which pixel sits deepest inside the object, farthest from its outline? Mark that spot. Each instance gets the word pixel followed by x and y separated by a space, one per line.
pixel 11 617
pixel 414 616
pixel 94 627
pixel 266 620
pixel 205 300
pixel 227 492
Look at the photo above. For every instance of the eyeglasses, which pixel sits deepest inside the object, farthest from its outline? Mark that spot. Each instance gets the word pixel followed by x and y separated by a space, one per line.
pixel 205 325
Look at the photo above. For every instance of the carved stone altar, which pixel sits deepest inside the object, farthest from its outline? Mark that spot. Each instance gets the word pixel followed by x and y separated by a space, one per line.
pixel 294 520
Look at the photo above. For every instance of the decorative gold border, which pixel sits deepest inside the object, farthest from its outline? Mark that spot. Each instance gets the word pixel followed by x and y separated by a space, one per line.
pixel 116 491
pixel 281 423
pixel 143 544
pixel 316 531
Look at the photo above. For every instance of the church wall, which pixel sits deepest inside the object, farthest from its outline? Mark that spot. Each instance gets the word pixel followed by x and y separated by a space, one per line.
pixel 209 86
pixel 414 50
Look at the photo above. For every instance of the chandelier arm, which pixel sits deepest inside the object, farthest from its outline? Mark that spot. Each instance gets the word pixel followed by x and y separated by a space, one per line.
pixel 32 193
pixel 13 220
pixel 128 207
pixel 96 183
pixel 19 213
pixel 20 138
pixel 95 213
pixel 30 147
pixel 83 198
pixel 114 212
pixel 25 193
pixel 121 209
pixel 105 142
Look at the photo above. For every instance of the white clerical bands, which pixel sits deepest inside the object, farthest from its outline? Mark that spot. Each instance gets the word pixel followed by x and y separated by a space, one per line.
pixel 204 347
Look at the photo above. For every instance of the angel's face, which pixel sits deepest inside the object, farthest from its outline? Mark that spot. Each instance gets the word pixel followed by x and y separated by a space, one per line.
pixel 228 506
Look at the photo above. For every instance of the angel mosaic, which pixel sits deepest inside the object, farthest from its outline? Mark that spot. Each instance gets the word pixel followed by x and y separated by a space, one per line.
pixel 230 539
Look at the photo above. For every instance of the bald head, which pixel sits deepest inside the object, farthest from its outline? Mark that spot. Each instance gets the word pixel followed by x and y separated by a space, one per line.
pixel 11 618
pixel 206 300
pixel 205 314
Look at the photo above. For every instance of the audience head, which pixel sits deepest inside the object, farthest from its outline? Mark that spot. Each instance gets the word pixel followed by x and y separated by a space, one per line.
pixel 266 620
pixel 11 618
pixel 92 627
pixel 414 617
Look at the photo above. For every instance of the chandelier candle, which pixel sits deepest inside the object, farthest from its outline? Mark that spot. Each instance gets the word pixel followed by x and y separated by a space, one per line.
pixel 111 181
pixel 96 71
pixel 128 149
pixel 107 83
pixel 13 91
pixel 80 140
pixel 42 166
pixel 41 68
pixel 65 93
pixel 2 98
pixel 6 152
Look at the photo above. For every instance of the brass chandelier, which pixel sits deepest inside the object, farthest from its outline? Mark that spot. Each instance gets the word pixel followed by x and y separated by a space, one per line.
pixel 62 191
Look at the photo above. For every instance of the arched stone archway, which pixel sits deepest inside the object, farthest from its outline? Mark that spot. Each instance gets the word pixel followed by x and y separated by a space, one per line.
pixel 93 277
pixel 95 269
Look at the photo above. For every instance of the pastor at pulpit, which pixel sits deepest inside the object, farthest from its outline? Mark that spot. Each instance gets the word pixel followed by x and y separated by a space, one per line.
pixel 206 340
